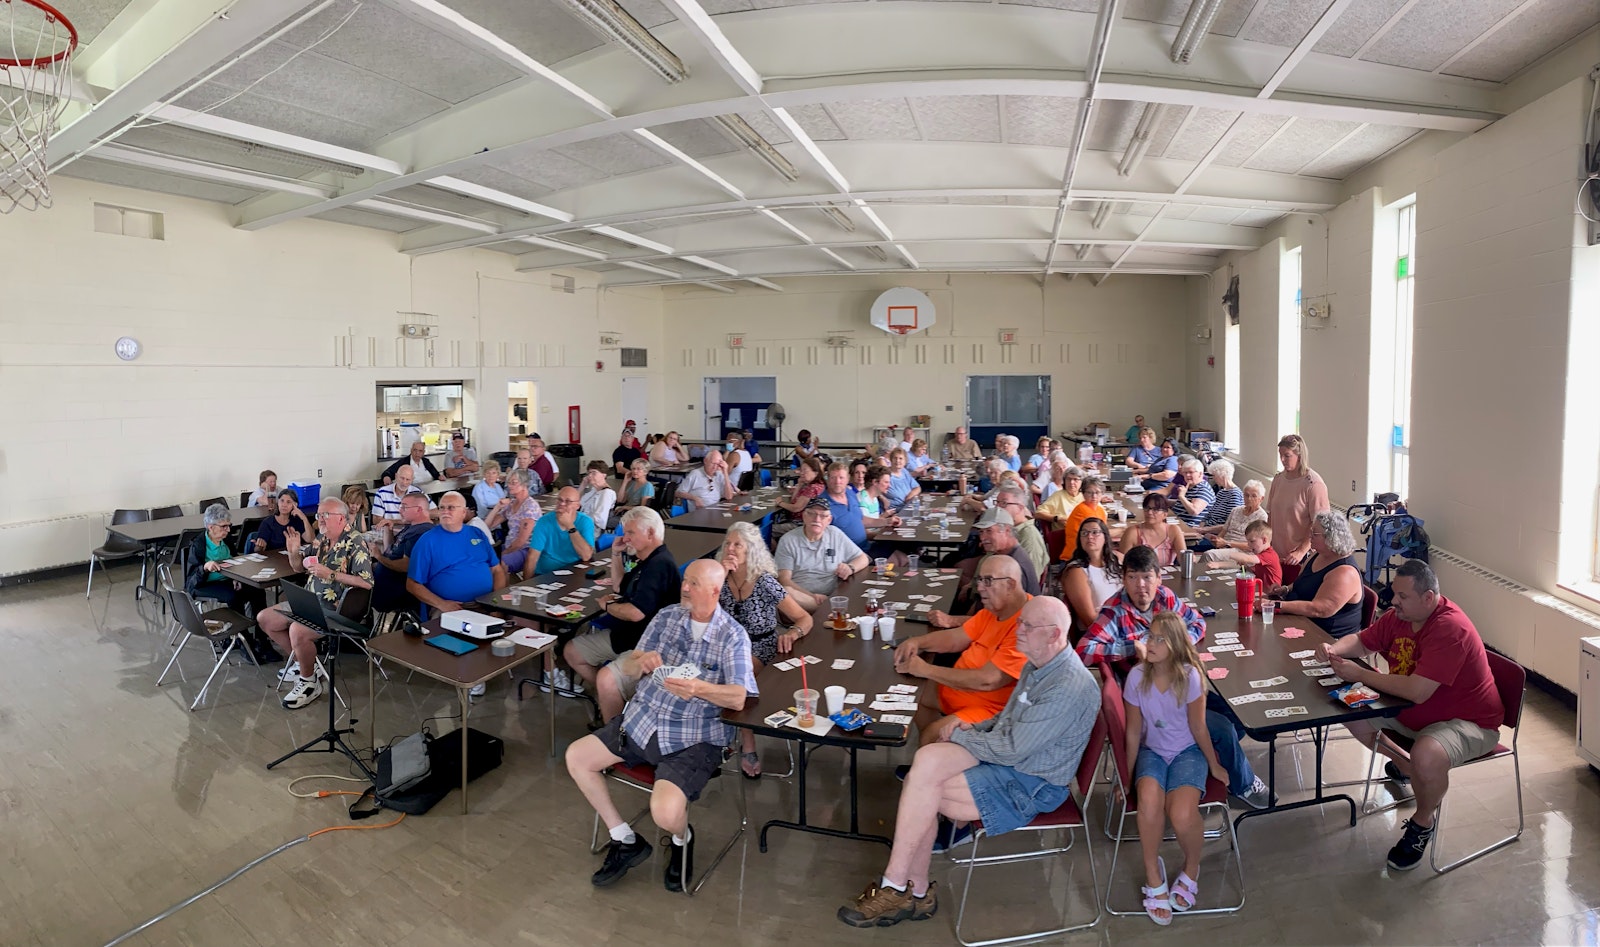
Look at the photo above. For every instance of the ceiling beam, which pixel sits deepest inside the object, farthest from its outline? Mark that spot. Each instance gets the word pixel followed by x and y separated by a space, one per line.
pixel 283 141
pixel 222 174
pixel 157 55
pixel 981 268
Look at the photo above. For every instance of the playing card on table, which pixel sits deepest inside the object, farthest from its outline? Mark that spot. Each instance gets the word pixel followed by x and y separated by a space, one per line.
pixel 1313 663
pixel 786 665
pixel 894 707
pixel 1333 681
pixel 923 608
pixel 1270 681
pixel 1204 578
pixel 855 698
pixel 1314 672
pixel 1297 655
pixel 1217 674
pixel 1225 636
pixel 1276 695
pixel 843 664
pixel 1244 654
pixel 1293 633
pixel 1244 699
pixel 1218 648
pixel 1207 657
pixel 1277 712
pixel 902 689
pixel 896 718
pixel 812 659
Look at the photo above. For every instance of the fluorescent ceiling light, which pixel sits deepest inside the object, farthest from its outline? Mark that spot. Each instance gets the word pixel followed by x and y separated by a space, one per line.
pixel 610 20
pixel 1140 142
pixel 709 264
pixel 647 268
pixel 838 216
pixel 876 252
pixel 634 239
pixel 746 135
pixel 1100 214
pixel 1196 24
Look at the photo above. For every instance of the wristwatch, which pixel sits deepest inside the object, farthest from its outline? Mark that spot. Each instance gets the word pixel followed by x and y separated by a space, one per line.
pixel 573 531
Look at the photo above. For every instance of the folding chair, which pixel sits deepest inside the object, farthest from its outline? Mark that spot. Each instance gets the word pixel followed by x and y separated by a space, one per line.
pixel 643 778
pixel 1511 681
pixel 220 624
pixel 207 504
pixel 1069 817
pixel 1215 799
pixel 115 547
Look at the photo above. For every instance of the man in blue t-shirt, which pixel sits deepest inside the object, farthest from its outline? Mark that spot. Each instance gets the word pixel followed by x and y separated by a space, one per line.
pixel 846 508
pixel 451 565
pixel 389 582
pixel 561 538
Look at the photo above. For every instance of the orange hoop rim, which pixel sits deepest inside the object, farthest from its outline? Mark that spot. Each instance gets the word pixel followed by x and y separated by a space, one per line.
pixel 50 13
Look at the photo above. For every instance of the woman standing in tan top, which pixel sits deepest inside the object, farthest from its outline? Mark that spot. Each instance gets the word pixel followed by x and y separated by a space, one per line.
pixel 1296 495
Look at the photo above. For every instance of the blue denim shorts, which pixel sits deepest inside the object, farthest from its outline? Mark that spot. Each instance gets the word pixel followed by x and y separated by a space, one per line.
pixel 1008 799
pixel 1188 768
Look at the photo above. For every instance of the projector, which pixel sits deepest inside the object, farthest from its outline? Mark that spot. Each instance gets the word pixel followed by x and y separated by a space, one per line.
pixel 473 625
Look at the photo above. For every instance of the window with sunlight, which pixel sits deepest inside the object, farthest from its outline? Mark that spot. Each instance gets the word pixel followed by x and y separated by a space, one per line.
pixel 1405 271
pixel 1289 345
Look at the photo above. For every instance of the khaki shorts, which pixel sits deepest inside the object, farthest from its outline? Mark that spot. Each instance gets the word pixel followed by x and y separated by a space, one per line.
pixel 1462 740
pixel 595 647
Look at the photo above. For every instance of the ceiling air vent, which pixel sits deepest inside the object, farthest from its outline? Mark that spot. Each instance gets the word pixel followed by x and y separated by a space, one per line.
pixel 563 284
pixel 635 358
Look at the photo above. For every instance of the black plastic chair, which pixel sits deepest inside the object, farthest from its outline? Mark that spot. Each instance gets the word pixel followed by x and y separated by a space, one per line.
pixel 156 551
pixel 207 504
pixel 215 626
pixel 244 500
pixel 116 547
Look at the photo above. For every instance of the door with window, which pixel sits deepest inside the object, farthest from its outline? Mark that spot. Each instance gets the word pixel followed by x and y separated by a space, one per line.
pixel 1007 404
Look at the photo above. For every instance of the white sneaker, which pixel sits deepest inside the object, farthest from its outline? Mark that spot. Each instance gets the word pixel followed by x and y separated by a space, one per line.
pixel 290 672
pixel 478 690
pixel 563 680
pixel 304 692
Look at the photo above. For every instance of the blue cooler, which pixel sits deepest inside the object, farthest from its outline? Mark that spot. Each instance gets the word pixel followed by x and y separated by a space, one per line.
pixel 310 494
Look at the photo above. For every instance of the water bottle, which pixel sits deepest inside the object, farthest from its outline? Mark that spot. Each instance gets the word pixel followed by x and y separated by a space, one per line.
pixel 946 453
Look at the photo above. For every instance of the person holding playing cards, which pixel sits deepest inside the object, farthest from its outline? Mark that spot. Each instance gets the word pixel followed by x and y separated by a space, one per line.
pixel 673 722
pixel 1165 701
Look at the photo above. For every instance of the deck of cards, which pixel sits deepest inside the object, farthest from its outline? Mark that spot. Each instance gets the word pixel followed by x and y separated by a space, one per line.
pixel 1278 712
pixel 680 671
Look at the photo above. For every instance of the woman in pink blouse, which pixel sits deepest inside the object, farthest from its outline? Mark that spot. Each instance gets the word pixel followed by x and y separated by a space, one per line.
pixel 1296 495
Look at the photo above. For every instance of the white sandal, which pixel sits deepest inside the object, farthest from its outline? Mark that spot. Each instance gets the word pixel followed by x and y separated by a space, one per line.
pixel 1158 899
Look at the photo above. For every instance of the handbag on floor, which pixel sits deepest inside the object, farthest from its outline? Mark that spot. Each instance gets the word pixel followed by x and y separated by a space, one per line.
pixel 400 789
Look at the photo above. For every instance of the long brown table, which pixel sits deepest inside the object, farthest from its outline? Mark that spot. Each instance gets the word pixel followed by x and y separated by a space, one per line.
pixel 158 531
pixel 1267 656
pixel 462 672
pixel 718 517
pixel 244 570
pixel 872 673
pixel 939 525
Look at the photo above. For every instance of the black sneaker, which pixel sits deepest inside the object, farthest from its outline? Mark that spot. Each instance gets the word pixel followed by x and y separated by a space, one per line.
pixel 901 771
pixel 949 835
pixel 1392 773
pixel 619 858
pixel 1408 852
pixel 680 866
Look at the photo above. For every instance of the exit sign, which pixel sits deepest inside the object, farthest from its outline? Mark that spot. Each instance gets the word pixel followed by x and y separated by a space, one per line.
pixel 736 340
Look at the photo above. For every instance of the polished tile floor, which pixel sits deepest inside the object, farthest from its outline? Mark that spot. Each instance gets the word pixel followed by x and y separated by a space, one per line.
pixel 117 803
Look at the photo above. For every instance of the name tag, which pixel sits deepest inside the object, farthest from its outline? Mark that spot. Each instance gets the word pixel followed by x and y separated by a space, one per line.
pixel 1022 698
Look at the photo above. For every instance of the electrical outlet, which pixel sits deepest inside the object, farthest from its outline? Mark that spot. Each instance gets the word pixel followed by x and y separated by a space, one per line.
pixel 1352 486
pixel 949 407
pixel 319 472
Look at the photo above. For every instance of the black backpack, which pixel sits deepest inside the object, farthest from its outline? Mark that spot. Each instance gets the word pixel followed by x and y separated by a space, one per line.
pixel 484 753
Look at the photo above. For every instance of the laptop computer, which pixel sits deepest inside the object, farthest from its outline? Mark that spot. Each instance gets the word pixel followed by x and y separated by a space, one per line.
pixel 307 609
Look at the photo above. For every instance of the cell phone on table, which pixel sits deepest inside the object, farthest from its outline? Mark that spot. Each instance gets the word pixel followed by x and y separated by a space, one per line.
pixel 1208 611
pixel 879 730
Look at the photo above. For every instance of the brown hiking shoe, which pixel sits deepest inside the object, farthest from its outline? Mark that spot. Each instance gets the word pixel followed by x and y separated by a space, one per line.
pixel 883 907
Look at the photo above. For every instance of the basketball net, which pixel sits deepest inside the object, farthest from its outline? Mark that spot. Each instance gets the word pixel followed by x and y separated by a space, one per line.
pixel 36 46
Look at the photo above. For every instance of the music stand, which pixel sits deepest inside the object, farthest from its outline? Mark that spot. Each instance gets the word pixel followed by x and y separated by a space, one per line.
pixel 334 735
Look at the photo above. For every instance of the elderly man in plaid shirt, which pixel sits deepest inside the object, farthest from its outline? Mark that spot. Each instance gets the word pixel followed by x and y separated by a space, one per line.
pixel 672 723
pixel 1117 636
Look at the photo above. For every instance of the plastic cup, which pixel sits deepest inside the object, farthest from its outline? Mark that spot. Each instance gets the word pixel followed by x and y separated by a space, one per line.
pixel 879 565
pixel 913 563
pixel 805 705
pixel 840 606
pixel 835 698
pixel 866 625
pixel 1268 609
pixel 516 596
pixel 886 627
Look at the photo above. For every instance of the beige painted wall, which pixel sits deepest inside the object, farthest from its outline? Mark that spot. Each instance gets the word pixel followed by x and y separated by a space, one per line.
pixel 1113 350
pixel 260 350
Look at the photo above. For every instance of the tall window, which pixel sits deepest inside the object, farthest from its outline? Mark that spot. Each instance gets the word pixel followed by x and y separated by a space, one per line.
pixel 1232 434
pixel 1405 272
pixel 1289 344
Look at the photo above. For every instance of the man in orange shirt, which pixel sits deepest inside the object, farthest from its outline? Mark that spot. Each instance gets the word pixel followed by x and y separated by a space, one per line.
pixel 981 681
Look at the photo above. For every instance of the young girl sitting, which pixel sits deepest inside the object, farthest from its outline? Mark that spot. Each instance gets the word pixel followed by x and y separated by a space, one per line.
pixel 1166 707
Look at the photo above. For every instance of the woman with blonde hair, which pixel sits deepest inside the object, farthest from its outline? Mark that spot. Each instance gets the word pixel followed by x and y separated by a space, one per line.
pixel 355 497
pixel 754 597
pixel 1296 495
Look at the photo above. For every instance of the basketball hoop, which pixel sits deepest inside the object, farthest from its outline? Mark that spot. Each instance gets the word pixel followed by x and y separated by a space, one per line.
pixel 36 47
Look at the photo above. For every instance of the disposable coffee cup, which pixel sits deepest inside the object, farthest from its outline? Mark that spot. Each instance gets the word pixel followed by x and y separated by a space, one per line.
pixel 865 624
pixel 805 705
pixel 886 627
pixel 1269 608
pixel 835 699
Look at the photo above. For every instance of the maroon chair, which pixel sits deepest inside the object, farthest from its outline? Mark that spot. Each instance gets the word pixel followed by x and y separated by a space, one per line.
pixel 1511 681
pixel 1369 606
pixel 643 778
pixel 1215 798
pixel 1067 818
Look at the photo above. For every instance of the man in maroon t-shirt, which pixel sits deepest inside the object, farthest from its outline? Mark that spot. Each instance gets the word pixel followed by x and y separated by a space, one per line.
pixel 1436 661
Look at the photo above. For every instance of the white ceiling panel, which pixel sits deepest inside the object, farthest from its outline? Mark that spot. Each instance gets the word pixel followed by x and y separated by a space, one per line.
pixel 505 181
pixel 615 154
pixel 1283 22
pixel 1040 120
pixel 1434 30
pixel 815 121
pixel 1254 131
pixel 958 117
pixel 1362 148
pixel 1257 218
pixel 387 43
pixel 1179 212
pixel 449 201
pixel 1356 25
pixel 89 17
pixel 259 110
pixel 766 127
pixel 1538 28
pixel 1113 125
pixel 700 138
pixel 1300 144
pixel 1212 215
pixel 92 169
pixel 540 28
pixel 650 13
pixel 550 169
pixel 1203 129
pixel 876 120
pixel 361 218
pixel 1171 12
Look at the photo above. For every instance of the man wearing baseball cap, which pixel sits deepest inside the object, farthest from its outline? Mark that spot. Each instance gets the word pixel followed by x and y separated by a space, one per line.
pixel 811 560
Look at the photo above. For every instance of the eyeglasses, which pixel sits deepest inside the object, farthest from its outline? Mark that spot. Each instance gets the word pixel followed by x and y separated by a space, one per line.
pixel 1031 627
pixel 323 516
pixel 984 581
